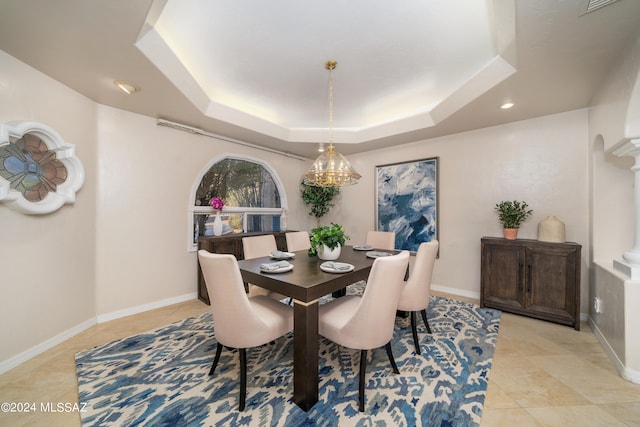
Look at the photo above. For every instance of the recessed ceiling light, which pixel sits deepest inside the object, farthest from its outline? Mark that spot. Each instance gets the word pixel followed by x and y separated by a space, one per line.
pixel 126 87
pixel 507 105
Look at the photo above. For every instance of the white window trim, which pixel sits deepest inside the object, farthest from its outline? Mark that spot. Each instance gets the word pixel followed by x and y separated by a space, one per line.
pixel 192 209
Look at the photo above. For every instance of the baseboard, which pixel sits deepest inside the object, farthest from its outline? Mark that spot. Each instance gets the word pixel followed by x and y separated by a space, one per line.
pixel 626 373
pixel 34 351
pixel 455 291
pixel 145 307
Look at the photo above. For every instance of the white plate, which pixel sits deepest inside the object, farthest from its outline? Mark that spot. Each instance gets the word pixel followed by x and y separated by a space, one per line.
pixel 279 270
pixel 326 267
pixel 377 254
pixel 363 247
pixel 285 255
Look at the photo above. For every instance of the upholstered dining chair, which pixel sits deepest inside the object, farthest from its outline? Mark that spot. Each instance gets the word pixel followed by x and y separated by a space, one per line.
pixel 367 322
pixel 417 290
pixel 381 239
pixel 297 240
pixel 239 321
pixel 256 247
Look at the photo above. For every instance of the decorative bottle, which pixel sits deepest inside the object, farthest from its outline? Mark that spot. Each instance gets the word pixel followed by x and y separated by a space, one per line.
pixel 217 225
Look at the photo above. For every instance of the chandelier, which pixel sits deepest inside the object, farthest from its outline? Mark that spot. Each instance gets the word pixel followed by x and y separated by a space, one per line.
pixel 331 169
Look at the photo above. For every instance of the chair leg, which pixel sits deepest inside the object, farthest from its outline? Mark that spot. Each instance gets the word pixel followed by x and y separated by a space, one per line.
pixel 414 331
pixel 363 369
pixel 243 378
pixel 424 319
pixel 215 359
pixel 391 359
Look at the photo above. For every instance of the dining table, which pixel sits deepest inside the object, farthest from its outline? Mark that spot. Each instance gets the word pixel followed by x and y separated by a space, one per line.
pixel 306 283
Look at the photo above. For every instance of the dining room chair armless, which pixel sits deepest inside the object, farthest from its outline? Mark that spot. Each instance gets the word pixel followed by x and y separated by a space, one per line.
pixel 417 290
pixel 297 240
pixel 256 247
pixel 239 321
pixel 381 239
pixel 367 322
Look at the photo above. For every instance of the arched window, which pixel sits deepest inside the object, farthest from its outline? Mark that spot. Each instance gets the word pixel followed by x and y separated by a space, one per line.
pixel 253 195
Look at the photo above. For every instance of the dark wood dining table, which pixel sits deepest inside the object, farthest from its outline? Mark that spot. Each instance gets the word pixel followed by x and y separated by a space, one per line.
pixel 306 283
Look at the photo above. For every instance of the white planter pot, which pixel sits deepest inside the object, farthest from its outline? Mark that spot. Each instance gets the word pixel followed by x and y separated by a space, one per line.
pixel 327 254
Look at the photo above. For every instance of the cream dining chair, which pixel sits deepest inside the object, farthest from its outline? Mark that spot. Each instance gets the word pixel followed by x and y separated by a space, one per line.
pixel 367 322
pixel 417 290
pixel 239 321
pixel 297 240
pixel 256 247
pixel 381 239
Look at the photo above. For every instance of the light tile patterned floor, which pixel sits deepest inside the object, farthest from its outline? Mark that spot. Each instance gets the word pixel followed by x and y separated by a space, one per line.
pixel 543 375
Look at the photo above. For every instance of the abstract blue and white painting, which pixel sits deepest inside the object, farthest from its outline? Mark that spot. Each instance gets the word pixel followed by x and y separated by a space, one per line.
pixel 407 201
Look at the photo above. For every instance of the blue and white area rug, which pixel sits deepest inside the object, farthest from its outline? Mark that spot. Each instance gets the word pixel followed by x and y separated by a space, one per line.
pixel 160 378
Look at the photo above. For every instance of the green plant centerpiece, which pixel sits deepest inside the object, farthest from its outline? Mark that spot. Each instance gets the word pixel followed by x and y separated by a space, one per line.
pixel 319 199
pixel 512 214
pixel 333 237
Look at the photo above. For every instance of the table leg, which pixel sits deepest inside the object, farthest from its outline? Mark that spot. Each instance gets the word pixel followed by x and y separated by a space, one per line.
pixel 340 293
pixel 305 354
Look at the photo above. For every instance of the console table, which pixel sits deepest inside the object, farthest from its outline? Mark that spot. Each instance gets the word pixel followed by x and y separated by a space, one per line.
pixel 229 244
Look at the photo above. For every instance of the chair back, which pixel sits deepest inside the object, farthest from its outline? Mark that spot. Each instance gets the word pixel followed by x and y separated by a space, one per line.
pixel 236 323
pixel 297 241
pixel 381 239
pixel 258 246
pixel 373 322
pixel 416 293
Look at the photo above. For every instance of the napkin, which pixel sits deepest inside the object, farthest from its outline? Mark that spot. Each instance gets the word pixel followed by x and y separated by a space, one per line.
pixel 378 254
pixel 274 265
pixel 337 265
pixel 280 254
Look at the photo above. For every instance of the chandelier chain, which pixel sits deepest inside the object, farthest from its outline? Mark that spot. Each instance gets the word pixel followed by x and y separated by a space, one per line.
pixel 330 106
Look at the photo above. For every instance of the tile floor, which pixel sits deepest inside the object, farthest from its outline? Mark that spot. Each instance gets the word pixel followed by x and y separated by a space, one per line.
pixel 543 374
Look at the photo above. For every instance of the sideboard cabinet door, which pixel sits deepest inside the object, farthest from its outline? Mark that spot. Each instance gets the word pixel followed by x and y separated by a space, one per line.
pixel 532 278
pixel 503 275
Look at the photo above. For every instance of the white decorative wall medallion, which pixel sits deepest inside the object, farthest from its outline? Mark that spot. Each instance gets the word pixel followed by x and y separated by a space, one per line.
pixel 39 172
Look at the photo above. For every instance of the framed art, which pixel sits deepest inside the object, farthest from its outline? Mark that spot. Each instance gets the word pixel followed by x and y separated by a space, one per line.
pixel 39 171
pixel 407 201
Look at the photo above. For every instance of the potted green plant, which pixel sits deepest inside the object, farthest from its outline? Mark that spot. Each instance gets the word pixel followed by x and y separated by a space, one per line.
pixel 511 215
pixel 319 199
pixel 327 241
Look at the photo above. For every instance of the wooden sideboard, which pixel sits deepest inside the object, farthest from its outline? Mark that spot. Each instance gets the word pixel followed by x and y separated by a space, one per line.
pixel 532 278
pixel 229 244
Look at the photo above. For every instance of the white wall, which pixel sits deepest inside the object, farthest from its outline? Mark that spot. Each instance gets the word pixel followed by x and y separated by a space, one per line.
pixel 542 161
pixel 46 261
pixel 122 247
pixel 613 223
pixel 146 173
pixel 610 106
